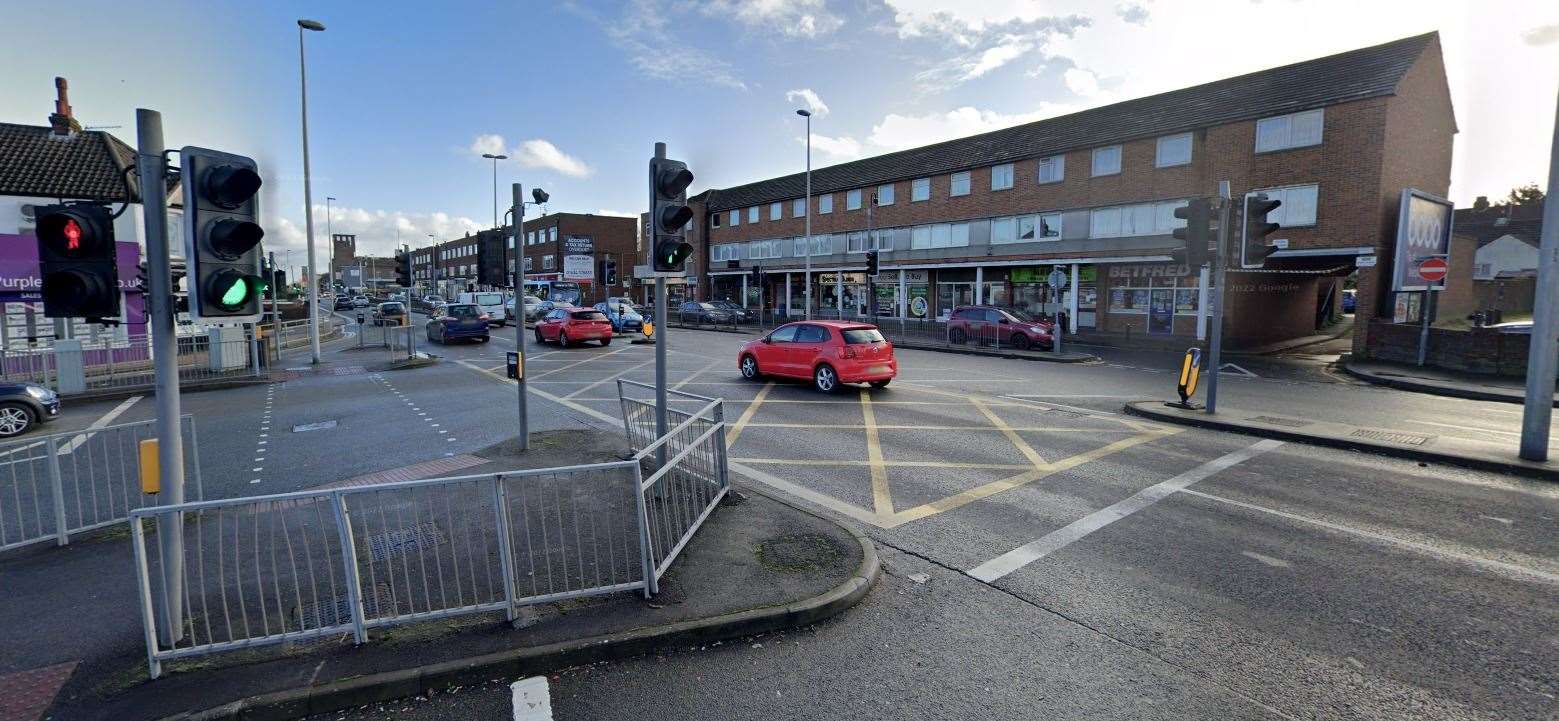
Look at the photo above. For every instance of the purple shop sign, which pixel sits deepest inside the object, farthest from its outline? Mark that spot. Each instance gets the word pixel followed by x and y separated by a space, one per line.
pixel 21 281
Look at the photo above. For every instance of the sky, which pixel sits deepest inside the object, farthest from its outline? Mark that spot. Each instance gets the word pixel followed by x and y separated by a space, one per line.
pixel 405 97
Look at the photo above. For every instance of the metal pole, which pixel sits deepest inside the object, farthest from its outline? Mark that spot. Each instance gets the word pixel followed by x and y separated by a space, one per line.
pixel 808 293
pixel 330 274
pixel 519 311
pixel 1543 356
pixel 1423 325
pixel 1215 346
pixel 660 339
pixel 275 309
pixel 308 206
pixel 165 363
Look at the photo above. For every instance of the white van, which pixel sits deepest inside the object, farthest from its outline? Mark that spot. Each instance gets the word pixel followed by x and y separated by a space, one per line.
pixel 491 303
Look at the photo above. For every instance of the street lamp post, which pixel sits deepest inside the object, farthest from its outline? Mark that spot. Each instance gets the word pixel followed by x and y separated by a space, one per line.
pixel 807 294
pixel 330 276
pixel 308 198
pixel 503 252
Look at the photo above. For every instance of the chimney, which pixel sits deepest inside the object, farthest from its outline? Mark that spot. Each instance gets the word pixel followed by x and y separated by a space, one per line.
pixel 63 122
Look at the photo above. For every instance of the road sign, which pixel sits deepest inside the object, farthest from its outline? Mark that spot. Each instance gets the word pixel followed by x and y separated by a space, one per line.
pixel 1433 269
pixel 1364 261
pixel 1190 373
pixel 1423 231
pixel 1058 279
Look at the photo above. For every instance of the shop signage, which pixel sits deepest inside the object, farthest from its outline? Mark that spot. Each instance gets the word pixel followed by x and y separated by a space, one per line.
pixel 1364 261
pixel 1423 230
pixel 578 258
pixel 1159 270
pixel 1058 279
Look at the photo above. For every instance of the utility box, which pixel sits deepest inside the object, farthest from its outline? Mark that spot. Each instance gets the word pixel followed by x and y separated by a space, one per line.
pixel 227 348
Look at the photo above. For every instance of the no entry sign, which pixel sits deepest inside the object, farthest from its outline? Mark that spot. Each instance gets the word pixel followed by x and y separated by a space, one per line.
pixel 1433 269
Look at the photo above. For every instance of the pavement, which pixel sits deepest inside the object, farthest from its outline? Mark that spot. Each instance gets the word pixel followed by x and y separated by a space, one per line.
pixel 1440 382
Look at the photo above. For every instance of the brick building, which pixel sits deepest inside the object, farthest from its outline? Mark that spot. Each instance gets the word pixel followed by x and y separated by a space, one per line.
pixel 559 247
pixel 987 218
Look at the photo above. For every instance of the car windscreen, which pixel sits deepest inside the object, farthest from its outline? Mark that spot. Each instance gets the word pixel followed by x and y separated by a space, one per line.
pixel 861 336
pixel 589 315
pixel 391 308
pixel 463 311
pixel 488 299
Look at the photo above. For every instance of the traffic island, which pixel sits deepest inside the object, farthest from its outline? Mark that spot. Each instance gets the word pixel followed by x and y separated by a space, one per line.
pixel 1499 457
pixel 757 565
pixel 1440 383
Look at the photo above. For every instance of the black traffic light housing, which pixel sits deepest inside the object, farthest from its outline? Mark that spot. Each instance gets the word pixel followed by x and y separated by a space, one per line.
pixel 669 214
pixel 221 232
pixel 1196 235
pixel 76 258
pixel 873 263
pixel 609 271
pixel 403 268
pixel 1255 229
pixel 757 276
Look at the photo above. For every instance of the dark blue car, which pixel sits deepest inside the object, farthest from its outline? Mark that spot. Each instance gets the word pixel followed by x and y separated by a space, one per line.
pixel 623 317
pixel 457 321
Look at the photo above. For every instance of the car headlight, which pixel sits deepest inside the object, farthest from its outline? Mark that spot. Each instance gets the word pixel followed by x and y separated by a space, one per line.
pixel 41 393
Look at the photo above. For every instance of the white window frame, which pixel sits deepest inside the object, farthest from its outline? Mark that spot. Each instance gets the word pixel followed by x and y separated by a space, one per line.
pixel 919 190
pixel 920 237
pixel 1002 177
pixel 798 208
pixel 856 242
pixel 1161 159
pixel 1134 220
pixel 1287 194
pixel 776 211
pixel 548 262
pixel 882 240
pixel 1055 162
pixel 725 251
pixel 955 180
pixel 752 215
pixel 885 194
pixel 736 218
pixel 552 234
pixel 1007 226
pixel 1105 153
pixel 852 199
pixel 1295 130
pixel 825 204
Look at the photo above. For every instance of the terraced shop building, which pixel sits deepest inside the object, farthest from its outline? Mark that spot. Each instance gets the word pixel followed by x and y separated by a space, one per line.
pixel 988 218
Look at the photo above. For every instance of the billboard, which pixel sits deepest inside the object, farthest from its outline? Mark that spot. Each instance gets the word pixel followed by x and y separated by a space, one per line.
pixel 579 258
pixel 21 280
pixel 352 276
pixel 1423 231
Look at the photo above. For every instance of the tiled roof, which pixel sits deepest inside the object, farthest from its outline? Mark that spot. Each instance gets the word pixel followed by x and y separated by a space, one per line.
pixel 86 165
pixel 1487 228
pixel 1354 75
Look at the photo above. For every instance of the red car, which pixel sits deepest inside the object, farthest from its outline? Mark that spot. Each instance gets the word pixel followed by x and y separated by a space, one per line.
pixel 571 325
pixel 989 324
pixel 826 352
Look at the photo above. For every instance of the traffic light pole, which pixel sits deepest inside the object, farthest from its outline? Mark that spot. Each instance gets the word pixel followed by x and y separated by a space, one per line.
pixel 519 312
pixel 165 363
pixel 1543 358
pixel 1220 263
pixel 661 316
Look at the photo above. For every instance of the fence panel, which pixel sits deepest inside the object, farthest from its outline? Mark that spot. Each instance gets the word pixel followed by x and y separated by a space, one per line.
pixel 65 483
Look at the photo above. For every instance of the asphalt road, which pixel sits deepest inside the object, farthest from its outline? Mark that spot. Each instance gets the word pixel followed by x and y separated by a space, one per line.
pixel 1050 558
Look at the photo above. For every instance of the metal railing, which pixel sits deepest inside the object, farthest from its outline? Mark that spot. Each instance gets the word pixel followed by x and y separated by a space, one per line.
pixel 203 355
pixel 918 331
pixel 297 566
pixel 66 483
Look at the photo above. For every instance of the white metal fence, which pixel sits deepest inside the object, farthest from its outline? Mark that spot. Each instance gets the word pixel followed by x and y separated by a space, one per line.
pixel 57 485
pixel 332 562
pixel 72 366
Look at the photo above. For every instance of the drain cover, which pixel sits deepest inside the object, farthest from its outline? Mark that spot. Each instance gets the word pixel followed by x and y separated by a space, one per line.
pixel 1407 439
pixel 1277 421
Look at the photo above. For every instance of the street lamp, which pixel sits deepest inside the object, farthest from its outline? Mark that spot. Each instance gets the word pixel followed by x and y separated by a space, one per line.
pixel 308 198
pixel 332 235
pixel 808 292
pixel 503 252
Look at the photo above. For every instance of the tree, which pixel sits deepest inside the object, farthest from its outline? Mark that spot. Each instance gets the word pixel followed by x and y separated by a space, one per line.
pixel 1528 194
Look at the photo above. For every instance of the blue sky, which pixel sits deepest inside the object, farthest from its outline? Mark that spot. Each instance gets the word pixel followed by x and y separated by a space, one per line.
pixel 404 96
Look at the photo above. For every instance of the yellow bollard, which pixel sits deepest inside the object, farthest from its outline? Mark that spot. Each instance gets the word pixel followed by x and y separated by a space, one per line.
pixel 151 468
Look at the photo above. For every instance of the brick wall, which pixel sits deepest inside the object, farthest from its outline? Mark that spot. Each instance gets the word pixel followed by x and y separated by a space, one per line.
pixel 1484 351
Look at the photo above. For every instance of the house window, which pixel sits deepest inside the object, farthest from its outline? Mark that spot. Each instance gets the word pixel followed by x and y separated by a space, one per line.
pixel 1107 160
pixel 858 242
pixel 759 249
pixel 1173 150
pixel 798 208
pixel 958 235
pixel 752 215
pixel 919 189
pixel 527 265
pixel 552 234
pixel 852 200
pixel 920 237
pixel 548 262
pixel 825 204
pixel 776 211
pixel 885 194
pixel 736 218
pixel 882 239
pixel 1124 221
pixel 714 220
pixel 1001 176
pixel 960 184
pixel 727 251
pixel 1049 226
pixel 1004 230
pixel 1289 131
pixel 1052 169
pixel 1298 208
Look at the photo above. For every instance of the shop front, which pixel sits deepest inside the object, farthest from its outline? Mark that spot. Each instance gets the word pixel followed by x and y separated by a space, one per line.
pixel 1155 299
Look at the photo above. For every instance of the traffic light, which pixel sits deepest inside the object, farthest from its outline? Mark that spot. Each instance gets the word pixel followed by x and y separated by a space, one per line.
pixel 669 214
pixel 76 257
pixel 609 271
pixel 1197 233
pixel 873 265
pixel 757 277
pixel 403 268
pixel 1255 229
pixel 222 239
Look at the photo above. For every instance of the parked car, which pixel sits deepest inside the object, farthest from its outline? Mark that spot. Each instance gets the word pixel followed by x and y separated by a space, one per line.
pixel 531 303
pixel 1350 300
pixel 568 325
pixel 458 320
pixel 361 302
pixel 740 314
pixel 623 317
pixel 694 312
pixel 826 352
pixel 391 313
pixel 24 405
pixel 989 324
pixel 342 303
pixel 490 301
pixel 547 306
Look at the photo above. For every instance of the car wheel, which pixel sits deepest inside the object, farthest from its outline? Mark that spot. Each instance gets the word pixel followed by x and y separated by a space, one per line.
pixel 825 378
pixel 1020 341
pixel 563 338
pixel 540 339
pixel 750 368
pixel 882 383
pixel 15 419
pixel 486 338
pixel 606 342
pixel 958 336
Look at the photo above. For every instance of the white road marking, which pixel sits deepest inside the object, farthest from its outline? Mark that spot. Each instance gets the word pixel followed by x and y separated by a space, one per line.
pixel 115 412
pixel 1232 368
pixel 1497 519
pixel 1270 561
pixel 532 700
pixel 1464 427
pixel 1065 407
pixel 1061 538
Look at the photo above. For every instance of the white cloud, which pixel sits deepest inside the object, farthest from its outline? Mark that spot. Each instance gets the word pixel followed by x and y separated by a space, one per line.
pixel 981 41
pixel 616 213
pixel 963 22
pixel 897 132
pixel 840 148
pixel 538 153
pixel 490 144
pixel 1082 82
pixel 792 18
pixel 1541 35
pixel 1134 13
pixel 814 103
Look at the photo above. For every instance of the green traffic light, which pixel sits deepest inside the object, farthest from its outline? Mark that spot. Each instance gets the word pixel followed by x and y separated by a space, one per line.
pixel 236 294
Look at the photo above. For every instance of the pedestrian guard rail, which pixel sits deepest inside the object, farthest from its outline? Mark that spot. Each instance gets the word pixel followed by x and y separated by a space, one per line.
pixel 68 483
pixel 344 561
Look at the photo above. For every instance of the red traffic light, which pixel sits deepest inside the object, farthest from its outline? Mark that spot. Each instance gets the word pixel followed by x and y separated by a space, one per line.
pixel 673 181
pixel 73 231
pixel 230 185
